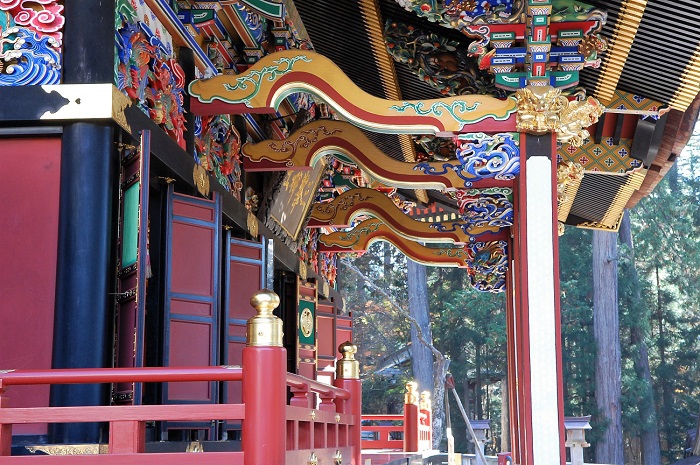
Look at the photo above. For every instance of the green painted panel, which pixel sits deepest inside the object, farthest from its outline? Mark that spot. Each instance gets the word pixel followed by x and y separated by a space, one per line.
pixel 130 238
pixel 307 323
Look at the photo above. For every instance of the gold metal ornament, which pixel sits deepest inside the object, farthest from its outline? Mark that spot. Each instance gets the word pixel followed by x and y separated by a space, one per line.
pixel 264 329
pixel 306 322
pixel 425 402
pixel 303 275
pixel 544 109
pixel 411 396
pixel 252 222
pixel 313 459
pixel 347 367
pixel 337 458
pixel 201 180
pixel 312 415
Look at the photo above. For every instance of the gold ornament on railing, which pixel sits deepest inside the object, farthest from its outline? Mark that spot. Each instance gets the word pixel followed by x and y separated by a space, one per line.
pixel 313 459
pixel 544 109
pixel 338 458
pixel 411 396
pixel 264 329
pixel 425 402
pixel 347 367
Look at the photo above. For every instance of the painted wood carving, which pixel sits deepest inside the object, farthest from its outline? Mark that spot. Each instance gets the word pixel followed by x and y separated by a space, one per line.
pixel 146 72
pixel 458 14
pixel 365 233
pixel 348 206
pixel 217 149
pixel 31 34
pixel 488 265
pixel 479 157
pixel 264 85
pixel 442 63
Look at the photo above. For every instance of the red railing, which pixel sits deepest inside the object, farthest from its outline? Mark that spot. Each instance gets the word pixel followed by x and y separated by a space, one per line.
pixel 127 424
pixel 272 431
pixel 382 436
pixel 415 431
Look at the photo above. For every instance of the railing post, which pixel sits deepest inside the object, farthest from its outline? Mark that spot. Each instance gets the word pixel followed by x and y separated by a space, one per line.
pixel 426 420
pixel 264 385
pixel 127 437
pixel 411 418
pixel 347 376
pixel 5 430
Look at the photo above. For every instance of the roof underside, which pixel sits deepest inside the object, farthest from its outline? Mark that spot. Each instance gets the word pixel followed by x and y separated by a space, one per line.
pixel 662 63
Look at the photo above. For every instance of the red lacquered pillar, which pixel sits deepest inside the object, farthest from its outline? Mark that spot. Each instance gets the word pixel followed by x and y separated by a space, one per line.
pixel 264 385
pixel 426 412
pixel 347 376
pixel 411 418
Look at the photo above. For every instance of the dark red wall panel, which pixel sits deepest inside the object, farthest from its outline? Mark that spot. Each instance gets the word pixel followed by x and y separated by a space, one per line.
pixel 29 192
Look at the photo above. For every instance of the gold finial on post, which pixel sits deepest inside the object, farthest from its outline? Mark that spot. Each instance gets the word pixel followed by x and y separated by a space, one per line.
pixel 425 402
pixel 411 396
pixel 264 329
pixel 347 367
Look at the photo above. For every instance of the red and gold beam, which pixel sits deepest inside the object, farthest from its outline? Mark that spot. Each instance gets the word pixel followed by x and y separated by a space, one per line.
pixel 364 234
pixel 363 201
pixel 264 85
pixel 306 146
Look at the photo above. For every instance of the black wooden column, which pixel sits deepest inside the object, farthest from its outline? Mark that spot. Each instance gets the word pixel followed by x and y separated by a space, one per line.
pixel 87 227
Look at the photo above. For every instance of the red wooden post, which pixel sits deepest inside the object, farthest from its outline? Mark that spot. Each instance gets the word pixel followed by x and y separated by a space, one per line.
pixel 264 385
pixel 347 376
pixel 411 418
pixel 127 437
pixel 426 419
pixel 5 430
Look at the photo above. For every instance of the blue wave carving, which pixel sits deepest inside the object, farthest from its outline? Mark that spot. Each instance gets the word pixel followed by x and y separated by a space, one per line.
pixel 33 60
pixel 490 157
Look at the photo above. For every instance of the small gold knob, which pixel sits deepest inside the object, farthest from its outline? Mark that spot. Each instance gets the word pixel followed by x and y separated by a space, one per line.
pixel 347 367
pixel 264 329
pixel 425 402
pixel 411 396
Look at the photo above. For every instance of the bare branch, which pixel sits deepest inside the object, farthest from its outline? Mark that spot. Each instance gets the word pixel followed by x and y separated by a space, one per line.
pixel 389 298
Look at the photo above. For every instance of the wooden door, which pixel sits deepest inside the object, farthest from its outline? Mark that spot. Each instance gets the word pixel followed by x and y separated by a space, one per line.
pixel 245 275
pixel 132 265
pixel 192 295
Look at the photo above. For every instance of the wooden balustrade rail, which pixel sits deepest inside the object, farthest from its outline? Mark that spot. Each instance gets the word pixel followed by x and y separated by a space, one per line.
pixel 326 431
pixel 304 384
pixel 388 437
pixel 127 423
pixel 119 375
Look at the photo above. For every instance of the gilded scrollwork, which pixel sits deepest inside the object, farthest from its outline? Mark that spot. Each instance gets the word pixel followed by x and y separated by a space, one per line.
pixel 545 109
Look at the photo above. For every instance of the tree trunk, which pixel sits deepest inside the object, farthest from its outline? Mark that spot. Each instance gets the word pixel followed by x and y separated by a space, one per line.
pixel 419 310
pixel 609 447
pixel 422 356
pixel 505 416
pixel 651 452
pixel 442 364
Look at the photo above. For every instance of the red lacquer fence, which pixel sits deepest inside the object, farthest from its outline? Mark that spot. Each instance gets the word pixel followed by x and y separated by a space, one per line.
pixel 273 432
pixel 415 434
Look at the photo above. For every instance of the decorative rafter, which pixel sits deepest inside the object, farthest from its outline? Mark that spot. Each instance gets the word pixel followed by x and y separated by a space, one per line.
pixel 479 157
pixel 483 218
pixel 264 85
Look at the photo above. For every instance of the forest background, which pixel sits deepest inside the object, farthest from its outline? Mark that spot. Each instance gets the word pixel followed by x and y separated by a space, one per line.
pixel 655 259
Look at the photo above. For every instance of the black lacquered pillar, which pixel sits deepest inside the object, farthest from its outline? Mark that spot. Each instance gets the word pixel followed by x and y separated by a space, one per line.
pixel 87 228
